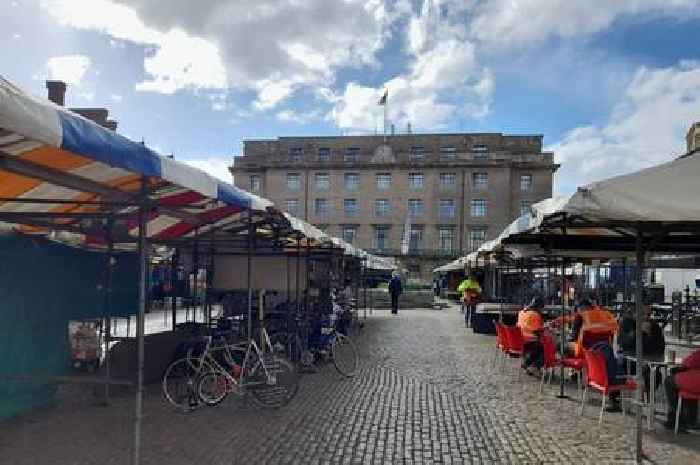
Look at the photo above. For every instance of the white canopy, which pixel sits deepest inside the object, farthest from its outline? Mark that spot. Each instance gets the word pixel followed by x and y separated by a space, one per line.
pixel 667 192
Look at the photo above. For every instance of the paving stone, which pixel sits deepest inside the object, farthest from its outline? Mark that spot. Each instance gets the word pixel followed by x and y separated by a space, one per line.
pixel 426 393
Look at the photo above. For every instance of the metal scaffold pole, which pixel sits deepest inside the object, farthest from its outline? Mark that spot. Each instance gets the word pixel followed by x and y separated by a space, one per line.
pixel 140 320
pixel 639 315
pixel 107 329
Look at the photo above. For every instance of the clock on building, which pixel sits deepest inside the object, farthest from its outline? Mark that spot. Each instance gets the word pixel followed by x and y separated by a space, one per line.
pixel 383 154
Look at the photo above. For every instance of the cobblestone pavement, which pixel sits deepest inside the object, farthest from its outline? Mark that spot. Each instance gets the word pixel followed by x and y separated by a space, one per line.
pixel 426 394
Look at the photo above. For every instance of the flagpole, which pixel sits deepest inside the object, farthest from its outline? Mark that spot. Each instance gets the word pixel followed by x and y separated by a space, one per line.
pixel 386 104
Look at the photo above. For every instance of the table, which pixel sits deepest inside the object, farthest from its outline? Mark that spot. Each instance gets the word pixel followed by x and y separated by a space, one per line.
pixel 654 362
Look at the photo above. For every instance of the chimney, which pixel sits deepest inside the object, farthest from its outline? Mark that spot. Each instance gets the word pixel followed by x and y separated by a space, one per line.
pixel 692 139
pixel 57 92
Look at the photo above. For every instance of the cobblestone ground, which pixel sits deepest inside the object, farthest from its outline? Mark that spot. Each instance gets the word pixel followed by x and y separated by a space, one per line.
pixel 426 394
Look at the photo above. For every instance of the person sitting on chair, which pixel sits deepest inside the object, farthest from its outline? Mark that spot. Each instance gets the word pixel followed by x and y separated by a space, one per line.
pixel 531 324
pixel 686 378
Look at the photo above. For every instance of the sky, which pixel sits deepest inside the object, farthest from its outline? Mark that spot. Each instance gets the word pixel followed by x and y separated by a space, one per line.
pixel 612 85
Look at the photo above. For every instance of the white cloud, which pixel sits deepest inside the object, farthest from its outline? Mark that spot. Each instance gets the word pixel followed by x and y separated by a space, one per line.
pixel 272 47
pixel 647 127
pixel 116 98
pixel 443 81
pixel 68 68
pixel 16 36
pixel 508 23
pixel 215 166
pixel 291 116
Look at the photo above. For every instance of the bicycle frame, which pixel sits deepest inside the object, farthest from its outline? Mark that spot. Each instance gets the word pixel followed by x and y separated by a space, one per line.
pixel 251 347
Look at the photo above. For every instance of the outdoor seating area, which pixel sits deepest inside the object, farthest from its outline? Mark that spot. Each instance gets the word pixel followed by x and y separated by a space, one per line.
pixel 629 226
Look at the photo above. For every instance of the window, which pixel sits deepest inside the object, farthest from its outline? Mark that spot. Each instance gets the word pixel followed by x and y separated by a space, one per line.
pixel 382 207
pixel 447 153
pixel 417 153
pixel 324 154
pixel 446 239
pixel 415 208
pixel 525 182
pixel 478 208
pixel 295 154
pixel 352 154
pixel 448 181
pixel 383 181
pixel 381 237
pixel 477 236
pixel 255 183
pixel 323 182
pixel 352 181
pixel 415 238
pixel 415 181
pixel 293 207
pixel 447 208
pixel 293 181
pixel 349 233
pixel 525 207
pixel 480 151
pixel 350 207
pixel 480 181
pixel 321 207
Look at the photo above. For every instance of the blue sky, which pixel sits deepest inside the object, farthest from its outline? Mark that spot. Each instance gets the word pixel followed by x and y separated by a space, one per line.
pixel 612 85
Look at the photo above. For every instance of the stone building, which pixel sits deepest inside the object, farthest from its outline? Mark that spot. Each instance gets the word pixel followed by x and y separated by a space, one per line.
pixel 451 191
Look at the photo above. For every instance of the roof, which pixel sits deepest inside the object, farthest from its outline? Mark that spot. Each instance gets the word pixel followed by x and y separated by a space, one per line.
pixel 58 169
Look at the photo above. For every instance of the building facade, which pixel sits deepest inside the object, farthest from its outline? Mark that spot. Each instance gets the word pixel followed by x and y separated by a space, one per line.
pixel 442 195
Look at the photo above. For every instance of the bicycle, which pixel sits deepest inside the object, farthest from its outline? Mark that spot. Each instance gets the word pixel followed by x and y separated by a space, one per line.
pixel 324 342
pixel 224 368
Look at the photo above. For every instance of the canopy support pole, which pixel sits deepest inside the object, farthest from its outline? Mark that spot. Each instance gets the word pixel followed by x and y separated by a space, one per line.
pixel 249 263
pixel 364 286
pixel 107 328
pixel 298 273
pixel 562 339
pixel 639 314
pixel 141 316
pixel 173 287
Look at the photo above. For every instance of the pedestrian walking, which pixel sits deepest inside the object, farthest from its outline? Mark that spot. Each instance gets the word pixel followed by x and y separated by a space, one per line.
pixel 395 290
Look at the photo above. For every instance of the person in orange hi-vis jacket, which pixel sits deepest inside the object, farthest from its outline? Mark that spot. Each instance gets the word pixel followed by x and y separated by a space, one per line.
pixel 590 324
pixel 531 324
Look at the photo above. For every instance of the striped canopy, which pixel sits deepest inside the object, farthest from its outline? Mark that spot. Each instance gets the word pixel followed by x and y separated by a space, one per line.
pixel 60 171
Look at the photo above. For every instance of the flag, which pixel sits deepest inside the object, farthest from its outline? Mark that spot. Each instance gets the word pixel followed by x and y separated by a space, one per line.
pixel 406 240
pixel 382 101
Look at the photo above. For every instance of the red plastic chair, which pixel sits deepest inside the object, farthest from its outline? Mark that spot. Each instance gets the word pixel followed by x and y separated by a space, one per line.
pixel 515 344
pixel 551 360
pixel 683 395
pixel 501 343
pixel 597 379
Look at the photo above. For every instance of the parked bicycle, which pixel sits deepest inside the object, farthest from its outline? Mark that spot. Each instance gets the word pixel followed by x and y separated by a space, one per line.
pixel 220 368
pixel 326 341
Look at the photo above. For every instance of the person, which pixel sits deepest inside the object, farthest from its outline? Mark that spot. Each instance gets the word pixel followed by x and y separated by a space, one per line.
pixel 531 324
pixel 687 378
pixel 395 289
pixel 615 374
pixel 471 291
pixel 436 287
pixel 653 343
pixel 589 318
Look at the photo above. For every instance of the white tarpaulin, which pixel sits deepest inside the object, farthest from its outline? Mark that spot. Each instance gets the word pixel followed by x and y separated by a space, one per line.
pixel 667 192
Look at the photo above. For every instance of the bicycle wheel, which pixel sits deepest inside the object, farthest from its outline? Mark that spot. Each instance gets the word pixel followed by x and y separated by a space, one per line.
pixel 213 387
pixel 277 389
pixel 180 382
pixel 344 355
